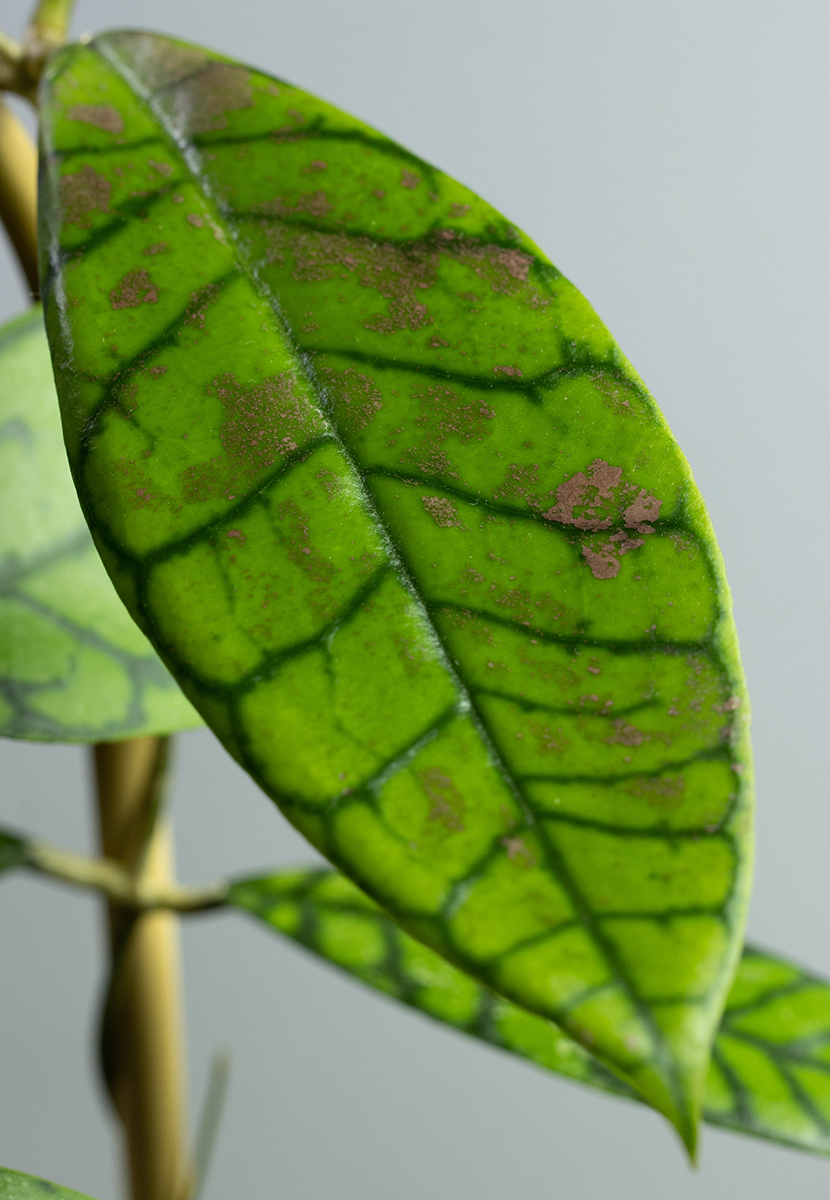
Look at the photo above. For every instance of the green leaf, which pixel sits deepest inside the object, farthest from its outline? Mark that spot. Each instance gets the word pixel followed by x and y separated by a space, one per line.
pixel 770 1074
pixel 13 852
pixel 412 535
pixel 14 1185
pixel 73 665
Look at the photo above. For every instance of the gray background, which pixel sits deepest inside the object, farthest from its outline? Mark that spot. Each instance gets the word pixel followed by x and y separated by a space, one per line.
pixel 671 157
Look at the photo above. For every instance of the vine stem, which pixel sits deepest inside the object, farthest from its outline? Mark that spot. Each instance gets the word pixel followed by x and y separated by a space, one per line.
pixel 143 1029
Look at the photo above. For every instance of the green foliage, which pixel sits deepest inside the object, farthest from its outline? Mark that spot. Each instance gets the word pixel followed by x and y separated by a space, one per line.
pixel 14 1185
pixel 73 665
pixel 412 536
pixel 770 1074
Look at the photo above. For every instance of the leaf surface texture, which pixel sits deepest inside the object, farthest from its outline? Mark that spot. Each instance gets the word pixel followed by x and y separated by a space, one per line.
pixel 412 535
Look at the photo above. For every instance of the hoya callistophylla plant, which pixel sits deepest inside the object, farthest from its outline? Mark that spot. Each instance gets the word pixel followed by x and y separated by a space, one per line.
pixel 412 536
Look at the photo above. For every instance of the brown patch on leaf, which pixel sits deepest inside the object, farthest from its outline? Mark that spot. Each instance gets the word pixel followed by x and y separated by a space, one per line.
pixel 626 735
pixel 596 500
pixel 444 415
pixel 409 180
pixel 294 531
pixel 83 193
pixel 262 424
pixel 517 848
pixel 200 302
pixel 200 103
pixel 443 512
pixel 104 116
pixel 314 204
pixel 135 288
pixel 520 483
pixel 355 397
pixel 448 805
pixel 664 792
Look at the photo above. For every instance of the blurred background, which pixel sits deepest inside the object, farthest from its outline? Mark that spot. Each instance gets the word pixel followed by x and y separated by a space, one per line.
pixel 671 158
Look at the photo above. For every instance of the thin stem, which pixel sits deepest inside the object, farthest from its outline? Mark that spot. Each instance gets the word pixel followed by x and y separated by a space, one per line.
pixel 143 1033
pixel 118 885
pixel 18 192
pixel 22 66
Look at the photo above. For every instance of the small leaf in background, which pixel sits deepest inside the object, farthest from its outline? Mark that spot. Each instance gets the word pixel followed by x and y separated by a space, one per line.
pixel 14 1185
pixel 770 1074
pixel 412 535
pixel 73 665
pixel 12 851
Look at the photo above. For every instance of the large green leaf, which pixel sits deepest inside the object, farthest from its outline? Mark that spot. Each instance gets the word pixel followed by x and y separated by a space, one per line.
pixel 770 1074
pixel 411 534
pixel 73 665
pixel 14 1185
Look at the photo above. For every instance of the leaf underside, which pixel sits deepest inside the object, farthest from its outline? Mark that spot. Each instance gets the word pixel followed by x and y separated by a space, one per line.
pixel 411 534
pixel 14 1185
pixel 73 665
pixel 770 1071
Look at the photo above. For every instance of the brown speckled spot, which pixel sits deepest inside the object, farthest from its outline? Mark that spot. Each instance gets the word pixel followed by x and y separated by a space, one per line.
pixel 200 301
pixel 448 805
pixel 315 204
pixel 520 483
pixel 443 512
pixel 156 248
pixel 644 509
pixel 262 424
pixel 355 398
pixel 200 103
pixel 83 193
pixel 517 849
pixel 444 415
pixel 665 792
pixel 459 210
pixel 409 180
pixel 135 288
pixel 626 735
pixel 104 116
pixel 579 499
pixel 592 501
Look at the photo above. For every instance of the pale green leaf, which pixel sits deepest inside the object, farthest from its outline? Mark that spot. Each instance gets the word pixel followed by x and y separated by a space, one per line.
pixel 770 1073
pixel 74 667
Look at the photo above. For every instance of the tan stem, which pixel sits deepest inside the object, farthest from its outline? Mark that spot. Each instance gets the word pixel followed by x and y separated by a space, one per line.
pixel 18 192
pixel 143 1036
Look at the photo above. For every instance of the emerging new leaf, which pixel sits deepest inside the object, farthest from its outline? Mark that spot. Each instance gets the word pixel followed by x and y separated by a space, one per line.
pixel 411 534
pixel 73 665
pixel 770 1073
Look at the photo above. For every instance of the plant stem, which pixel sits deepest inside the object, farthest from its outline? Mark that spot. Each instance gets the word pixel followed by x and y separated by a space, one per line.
pixel 18 192
pixel 143 1032
pixel 117 884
